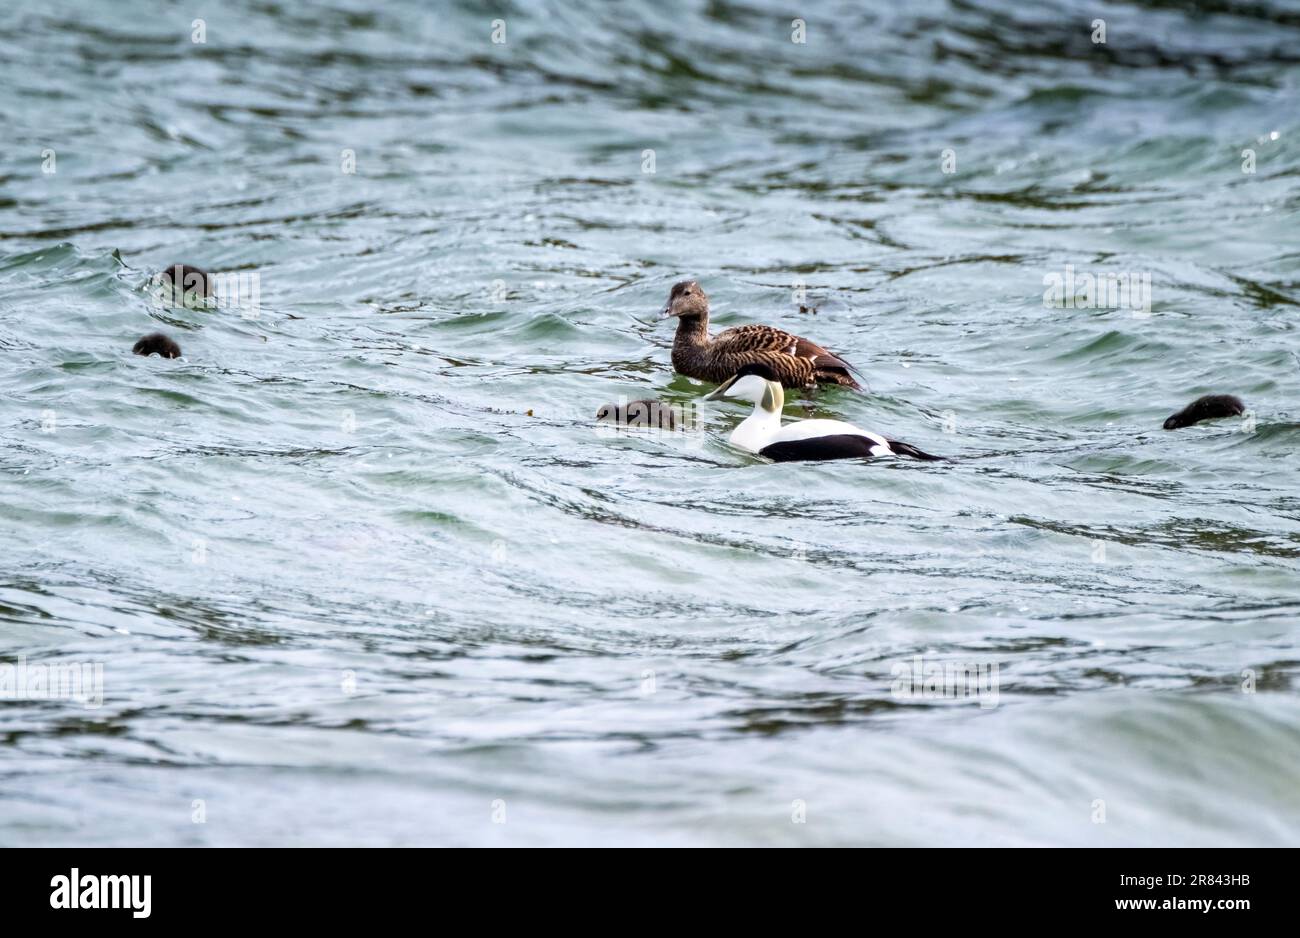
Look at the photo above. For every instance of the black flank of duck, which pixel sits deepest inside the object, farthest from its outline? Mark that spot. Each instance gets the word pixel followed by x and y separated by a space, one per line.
pixel 797 362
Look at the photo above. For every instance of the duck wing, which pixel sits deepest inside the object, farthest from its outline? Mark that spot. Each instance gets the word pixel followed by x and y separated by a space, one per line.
pixel 742 340
pixel 823 360
pixel 748 343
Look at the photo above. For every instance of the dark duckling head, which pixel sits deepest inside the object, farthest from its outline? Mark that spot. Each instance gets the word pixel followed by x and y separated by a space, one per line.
pixel 188 279
pixel 156 343
pixel 641 413
pixel 1209 407
pixel 687 298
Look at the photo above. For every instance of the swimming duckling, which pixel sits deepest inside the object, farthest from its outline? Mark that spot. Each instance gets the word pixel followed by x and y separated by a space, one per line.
pixel 188 279
pixel 761 432
pixel 1209 407
pixel 157 343
pixel 797 362
pixel 183 285
pixel 640 413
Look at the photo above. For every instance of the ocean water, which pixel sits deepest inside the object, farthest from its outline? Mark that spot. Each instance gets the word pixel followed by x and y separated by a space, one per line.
pixel 360 568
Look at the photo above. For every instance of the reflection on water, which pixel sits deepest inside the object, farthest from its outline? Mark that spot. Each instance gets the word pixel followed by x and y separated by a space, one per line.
pixel 361 565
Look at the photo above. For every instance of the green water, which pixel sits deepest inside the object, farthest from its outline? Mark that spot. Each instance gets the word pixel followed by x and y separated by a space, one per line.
pixel 361 570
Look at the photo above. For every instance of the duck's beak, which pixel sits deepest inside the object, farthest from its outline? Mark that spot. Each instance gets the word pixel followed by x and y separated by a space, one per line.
pixel 666 312
pixel 721 390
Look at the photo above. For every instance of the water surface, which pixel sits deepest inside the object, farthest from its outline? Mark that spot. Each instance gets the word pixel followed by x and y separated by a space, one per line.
pixel 361 570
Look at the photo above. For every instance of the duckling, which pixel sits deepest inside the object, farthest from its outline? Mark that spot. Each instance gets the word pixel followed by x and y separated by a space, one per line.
pixel 157 343
pixel 183 285
pixel 1209 407
pixel 186 278
pixel 646 413
pixel 762 433
pixel 797 362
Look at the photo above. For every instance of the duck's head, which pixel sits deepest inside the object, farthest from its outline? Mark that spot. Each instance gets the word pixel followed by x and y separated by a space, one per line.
pixel 156 343
pixel 183 285
pixel 686 298
pixel 756 383
pixel 186 278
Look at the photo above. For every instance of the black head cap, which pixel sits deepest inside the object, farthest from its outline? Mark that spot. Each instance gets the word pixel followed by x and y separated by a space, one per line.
pixel 761 369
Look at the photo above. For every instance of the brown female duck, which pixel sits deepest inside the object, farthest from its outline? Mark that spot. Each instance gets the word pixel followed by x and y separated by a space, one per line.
pixel 797 362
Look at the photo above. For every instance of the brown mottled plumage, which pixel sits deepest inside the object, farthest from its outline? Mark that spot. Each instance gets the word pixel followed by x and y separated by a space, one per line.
pixel 797 362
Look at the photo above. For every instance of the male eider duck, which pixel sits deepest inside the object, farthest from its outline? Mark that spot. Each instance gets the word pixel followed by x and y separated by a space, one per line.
pixel 1209 407
pixel 157 343
pixel 796 362
pixel 761 432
